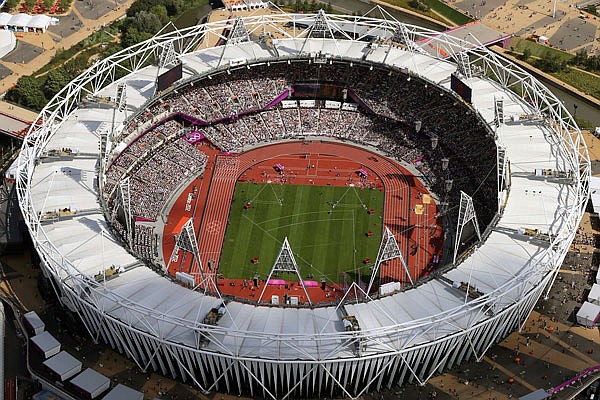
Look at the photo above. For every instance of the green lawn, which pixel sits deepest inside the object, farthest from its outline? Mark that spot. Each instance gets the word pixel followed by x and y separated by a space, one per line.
pixel 585 82
pixel 405 4
pixel 537 50
pixel 448 12
pixel 325 240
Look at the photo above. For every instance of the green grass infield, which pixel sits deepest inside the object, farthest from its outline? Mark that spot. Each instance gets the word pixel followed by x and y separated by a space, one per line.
pixel 326 227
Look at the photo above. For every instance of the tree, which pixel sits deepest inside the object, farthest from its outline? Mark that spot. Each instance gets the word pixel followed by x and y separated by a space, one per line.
pixel 27 93
pixel 161 12
pixel 77 65
pixel 56 79
pixel 132 36
pixel 174 7
pixel 10 4
pixel 65 4
pixel 419 5
pixel 147 22
pixel 550 63
pixel 526 55
pixel 580 58
pixel 48 4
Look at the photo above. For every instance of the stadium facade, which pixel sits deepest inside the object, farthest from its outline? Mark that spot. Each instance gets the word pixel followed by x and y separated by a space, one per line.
pixel 280 352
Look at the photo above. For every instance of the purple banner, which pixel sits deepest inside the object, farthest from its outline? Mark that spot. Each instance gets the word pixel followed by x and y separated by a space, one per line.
pixel 279 99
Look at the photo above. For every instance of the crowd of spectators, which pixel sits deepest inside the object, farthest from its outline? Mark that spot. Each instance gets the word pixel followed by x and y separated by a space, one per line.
pixel 145 241
pixel 156 163
pixel 402 115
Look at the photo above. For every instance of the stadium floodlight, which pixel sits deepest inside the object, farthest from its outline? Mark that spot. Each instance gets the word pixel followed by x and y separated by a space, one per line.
pixel 166 55
pixel 418 124
pixel 464 64
pixel 466 215
pixel 239 33
pixel 125 200
pixel 388 250
pixel 121 98
pixel 498 111
pixel 503 178
pixel 186 241
pixel 434 142
pixel 285 262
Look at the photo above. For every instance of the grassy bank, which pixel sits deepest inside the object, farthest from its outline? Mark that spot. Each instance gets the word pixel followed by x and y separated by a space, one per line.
pixel 521 46
pixel 587 83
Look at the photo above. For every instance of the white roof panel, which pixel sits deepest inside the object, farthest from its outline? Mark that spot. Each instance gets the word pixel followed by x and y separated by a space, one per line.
pixel 62 363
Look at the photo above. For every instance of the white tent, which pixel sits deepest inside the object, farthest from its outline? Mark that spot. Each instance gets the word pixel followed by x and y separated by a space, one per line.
pixel 588 314
pixel 63 365
pixel 90 383
pixel 34 323
pixel 4 18
pixel 46 344
pixel 7 42
pixel 122 392
pixel 26 23
pixel 594 295
pixel 595 193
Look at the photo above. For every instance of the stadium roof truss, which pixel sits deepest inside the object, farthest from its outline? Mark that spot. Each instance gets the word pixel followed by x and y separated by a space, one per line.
pixel 408 335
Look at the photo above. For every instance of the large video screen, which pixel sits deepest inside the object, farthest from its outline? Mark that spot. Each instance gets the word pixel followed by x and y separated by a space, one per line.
pixel 166 79
pixel 461 88
pixel 313 90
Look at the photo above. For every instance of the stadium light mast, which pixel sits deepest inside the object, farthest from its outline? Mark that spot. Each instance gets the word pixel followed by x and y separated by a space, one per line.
pixel 186 241
pixel 285 262
pixel 466 214
pixel 388 250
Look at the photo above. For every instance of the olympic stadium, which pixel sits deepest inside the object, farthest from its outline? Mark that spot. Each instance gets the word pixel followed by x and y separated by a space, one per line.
pixel 129 181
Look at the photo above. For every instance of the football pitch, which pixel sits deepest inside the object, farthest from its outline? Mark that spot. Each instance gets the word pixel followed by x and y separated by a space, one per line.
pixel 326 227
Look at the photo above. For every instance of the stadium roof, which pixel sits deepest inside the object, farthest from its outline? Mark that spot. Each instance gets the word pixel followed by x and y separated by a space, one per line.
pixel 532 204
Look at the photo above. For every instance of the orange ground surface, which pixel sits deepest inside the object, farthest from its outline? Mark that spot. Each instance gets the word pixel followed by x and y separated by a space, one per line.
pixel 408 211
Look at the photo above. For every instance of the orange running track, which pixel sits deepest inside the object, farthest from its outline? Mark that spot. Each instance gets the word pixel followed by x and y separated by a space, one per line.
pixel 409 212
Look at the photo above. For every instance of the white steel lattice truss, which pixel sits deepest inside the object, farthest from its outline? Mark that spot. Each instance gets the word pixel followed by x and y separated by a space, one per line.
pixel 388 250
pixel 311 357
pixel 239 33
pixel 466 215
pixel 122 96
pixel 186 241
pixel 167 55
pixel 498 112
pixel 503 174
pixel 123 203
pixel 285 262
